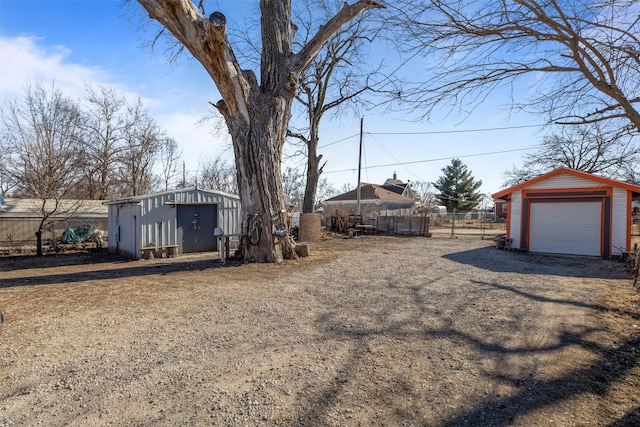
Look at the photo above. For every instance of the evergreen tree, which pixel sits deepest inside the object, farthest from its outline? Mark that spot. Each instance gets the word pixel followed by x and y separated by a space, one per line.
pixel 457 188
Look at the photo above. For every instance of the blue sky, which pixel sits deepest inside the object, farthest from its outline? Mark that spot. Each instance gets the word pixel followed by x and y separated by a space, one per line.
pixel 97 42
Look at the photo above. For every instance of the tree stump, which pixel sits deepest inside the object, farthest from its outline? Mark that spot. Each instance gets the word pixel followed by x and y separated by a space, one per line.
pixel 302 249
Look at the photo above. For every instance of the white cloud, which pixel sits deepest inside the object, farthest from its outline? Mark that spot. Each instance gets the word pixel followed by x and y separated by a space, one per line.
pixel 24 60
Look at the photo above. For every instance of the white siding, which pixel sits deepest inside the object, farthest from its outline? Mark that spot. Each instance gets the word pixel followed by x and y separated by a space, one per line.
pixel 619 215
pixel 564 180
pixel 516 218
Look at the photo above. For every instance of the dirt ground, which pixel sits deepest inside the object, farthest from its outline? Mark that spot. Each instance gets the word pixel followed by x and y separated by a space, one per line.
pixel 372 331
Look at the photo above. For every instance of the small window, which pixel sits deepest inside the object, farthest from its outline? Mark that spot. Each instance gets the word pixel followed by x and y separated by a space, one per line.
pixel 504 208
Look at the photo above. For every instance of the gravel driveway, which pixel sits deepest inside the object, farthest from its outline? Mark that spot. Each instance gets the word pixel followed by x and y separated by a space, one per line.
pixel 370 331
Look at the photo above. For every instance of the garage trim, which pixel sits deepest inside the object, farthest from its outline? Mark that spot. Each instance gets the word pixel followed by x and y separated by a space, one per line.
pixel 572 195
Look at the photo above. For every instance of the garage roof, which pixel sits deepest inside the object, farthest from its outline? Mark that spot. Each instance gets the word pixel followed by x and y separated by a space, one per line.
pixel 580 174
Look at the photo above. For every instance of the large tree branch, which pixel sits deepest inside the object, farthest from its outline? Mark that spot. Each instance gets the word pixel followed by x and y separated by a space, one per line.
pixel 207 41
pixel 306 55
pixel 590 48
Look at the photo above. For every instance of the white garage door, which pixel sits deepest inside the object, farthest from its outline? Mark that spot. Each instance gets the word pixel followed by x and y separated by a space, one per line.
pixel 565 228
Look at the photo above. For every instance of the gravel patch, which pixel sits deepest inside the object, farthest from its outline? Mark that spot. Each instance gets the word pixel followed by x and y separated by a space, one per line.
pixel 371 331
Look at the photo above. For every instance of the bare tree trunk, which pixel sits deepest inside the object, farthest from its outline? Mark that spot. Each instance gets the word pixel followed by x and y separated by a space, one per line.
pixel 258 153
pixel 313 171
pixel 257 115
pixel 39 243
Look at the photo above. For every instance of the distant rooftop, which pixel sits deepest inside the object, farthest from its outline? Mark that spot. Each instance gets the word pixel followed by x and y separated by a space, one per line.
pixel 370 192
pixel 29 208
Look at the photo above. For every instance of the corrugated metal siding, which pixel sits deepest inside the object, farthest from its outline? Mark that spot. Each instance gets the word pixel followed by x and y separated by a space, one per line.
pixel 160 209
pixel 158 219
pixel 30 208
pixel 516 217
pixel 156 222
pixel 564 180
pixel 619 218
pixel 124 233
pixel 20 219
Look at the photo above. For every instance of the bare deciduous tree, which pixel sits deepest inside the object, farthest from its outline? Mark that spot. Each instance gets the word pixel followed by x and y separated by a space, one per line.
pixel 169 155
pixel 42 132
pixel 142 141
pixel 293 185
pixel 582 57
pixel 256 109
pixel 325 191
pixel 426 192
pixel 335 81
pixel 7 183
pixel 105 125
pixel 219 175
pixel 631 174
pixel 346 187
pixel 593 149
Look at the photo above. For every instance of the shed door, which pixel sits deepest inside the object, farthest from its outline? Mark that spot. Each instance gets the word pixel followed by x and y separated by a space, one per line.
pixel 196 224
pixel 566 228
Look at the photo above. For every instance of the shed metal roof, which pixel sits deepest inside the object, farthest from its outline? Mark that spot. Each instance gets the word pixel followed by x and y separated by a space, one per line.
pixel 136 199
pixel 28 208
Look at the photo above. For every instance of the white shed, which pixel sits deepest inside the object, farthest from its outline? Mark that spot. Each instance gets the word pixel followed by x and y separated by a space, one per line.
pixel 183 218
pixel 570 212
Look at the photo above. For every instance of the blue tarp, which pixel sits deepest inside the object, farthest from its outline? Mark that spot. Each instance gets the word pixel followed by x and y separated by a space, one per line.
pixel 78 235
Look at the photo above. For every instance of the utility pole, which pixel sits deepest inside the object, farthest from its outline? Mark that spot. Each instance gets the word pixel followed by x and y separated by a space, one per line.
pixel 359 167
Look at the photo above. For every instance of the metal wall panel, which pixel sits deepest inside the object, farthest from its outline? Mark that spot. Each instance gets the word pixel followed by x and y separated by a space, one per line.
pixel 124 234
pixel 619 221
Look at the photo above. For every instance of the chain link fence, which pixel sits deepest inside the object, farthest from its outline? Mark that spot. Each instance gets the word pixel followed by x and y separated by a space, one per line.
pixel 475 223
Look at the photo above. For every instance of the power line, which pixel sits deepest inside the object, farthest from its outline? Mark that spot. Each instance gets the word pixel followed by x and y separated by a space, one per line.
pixel 436 132
pixel 439 159
pixel 394 157
pixel 340 140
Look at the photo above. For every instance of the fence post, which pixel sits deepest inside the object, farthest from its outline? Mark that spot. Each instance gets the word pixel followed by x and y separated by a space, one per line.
pixel 636 257
pixel 453 223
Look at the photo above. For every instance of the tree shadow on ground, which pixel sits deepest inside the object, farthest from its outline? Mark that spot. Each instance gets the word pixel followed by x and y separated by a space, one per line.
pixel 492 259
pixel 48 260
pixel 612 365
pixel 129 270
pixel 575 303
pixel 630 419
